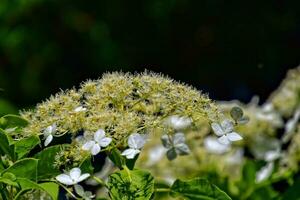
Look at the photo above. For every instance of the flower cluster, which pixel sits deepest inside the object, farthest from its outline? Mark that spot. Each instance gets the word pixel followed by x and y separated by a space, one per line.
pixel 120 104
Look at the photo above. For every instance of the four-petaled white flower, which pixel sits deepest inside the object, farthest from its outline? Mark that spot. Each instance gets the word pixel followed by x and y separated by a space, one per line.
pixel 264 173
pixel 212 145
pixel 135 143
pixel 178 122
pixel 94 146
pixel 73 177
pixel 48 134
pixel 176 145
pixel 80 109
pixel 225 132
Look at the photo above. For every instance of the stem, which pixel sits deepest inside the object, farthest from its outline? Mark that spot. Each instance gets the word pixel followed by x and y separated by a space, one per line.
pixel 100 181
pixel 127 171
pixel 68 191
pixel 162 190
pixel 3 193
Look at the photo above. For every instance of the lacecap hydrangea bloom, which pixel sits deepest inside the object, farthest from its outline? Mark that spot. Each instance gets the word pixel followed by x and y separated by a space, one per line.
pixel 119 104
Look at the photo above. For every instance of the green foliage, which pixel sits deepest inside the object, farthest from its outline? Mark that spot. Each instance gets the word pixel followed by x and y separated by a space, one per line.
pixel 197 189
pixel 25 145
pixel 25 168
pixel 131 185
pixel 46 157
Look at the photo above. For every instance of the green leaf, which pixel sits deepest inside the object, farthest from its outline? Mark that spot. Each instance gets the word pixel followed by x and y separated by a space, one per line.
pixel 8 182
pixel 293 192
pixel 46 157
pixel 50 188
pixel 197 189
pixel 5 148
pixel 24 146
pixel 116 157
pixel 25 168
pixel 11 121
pixel 9 179
pixel 86 166
pixel 131 185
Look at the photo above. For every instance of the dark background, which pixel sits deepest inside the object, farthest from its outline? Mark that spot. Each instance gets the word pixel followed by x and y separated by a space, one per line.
pixel 230 49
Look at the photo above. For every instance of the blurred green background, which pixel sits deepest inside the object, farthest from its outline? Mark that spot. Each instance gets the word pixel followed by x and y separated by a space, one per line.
pixel 230 49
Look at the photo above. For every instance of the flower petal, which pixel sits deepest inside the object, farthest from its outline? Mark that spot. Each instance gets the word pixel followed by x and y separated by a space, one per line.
pixel 95 149
pixel 83 177
pixel 104 142
pixel 79 109
pixel 264 173
pixel 227 125
pixel 178 122
pixel 165 139
pixel 130 153
pixel 182 149
pixel 48 140
pixel 99 135
pixel 88 145
pixel 224 140
pixel 234 136
pixel 178 138
pixel 217 129
pixel 136 141
pixel 272 155
pixel 171 154
pixel 212 145
pixel 64 179
pixel 75 173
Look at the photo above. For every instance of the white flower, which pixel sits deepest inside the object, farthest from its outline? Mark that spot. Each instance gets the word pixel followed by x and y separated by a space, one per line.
pixel 264 173
pixel 48 134
pixel 94 146
pixel 268 114
pixel 155 154
pixel 80 109
pixel 135 143
pixel 225 132
pixel 271 156
pixel 178 122
pixel 290 126
pixel 73 177
pixel 212 145
pixel 175 145
pixel 236 158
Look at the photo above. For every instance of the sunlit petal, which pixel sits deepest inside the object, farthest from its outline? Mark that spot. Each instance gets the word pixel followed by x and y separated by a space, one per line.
pixel 65 179
pixel 217 129
pixel 48 140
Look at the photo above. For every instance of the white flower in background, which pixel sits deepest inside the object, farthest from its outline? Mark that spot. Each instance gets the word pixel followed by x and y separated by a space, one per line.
pixel 264 173
pixel 178 122
pixel 135 143
pixel 212 145
pixel 236 158
pixel 80 109
pixel 290 126
pixel 225 132
pixel 271 156
pixel 175 145
pixel 73 177
pixel 155 154
pixel 48 134
pixel 267 113
pixel 94 146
